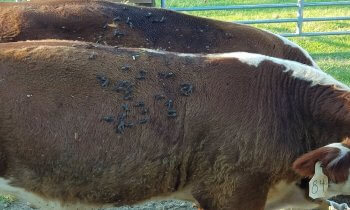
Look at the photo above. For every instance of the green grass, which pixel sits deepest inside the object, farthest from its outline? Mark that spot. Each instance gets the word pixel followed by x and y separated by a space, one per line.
pixel 332 53
pixel 8 199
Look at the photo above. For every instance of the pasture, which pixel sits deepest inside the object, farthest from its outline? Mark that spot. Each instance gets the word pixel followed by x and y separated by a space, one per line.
pixel 332 53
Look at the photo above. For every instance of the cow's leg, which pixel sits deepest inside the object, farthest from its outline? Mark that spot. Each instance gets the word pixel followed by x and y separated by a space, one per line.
pixel 233 192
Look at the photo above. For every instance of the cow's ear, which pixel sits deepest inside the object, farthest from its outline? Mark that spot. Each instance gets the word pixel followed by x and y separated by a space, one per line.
pixel 334 158
pixel 305 165
pixel 338 169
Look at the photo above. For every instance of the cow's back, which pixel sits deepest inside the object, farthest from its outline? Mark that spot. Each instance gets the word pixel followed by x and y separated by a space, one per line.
pixel 130 26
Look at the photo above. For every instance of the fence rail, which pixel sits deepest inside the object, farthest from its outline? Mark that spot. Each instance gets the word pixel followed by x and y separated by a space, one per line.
pixel 300 5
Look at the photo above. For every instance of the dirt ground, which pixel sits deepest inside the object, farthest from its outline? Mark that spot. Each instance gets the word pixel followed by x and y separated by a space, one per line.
pixel 161 205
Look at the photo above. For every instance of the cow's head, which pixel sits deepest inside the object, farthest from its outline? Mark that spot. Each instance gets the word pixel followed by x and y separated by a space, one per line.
pixel 335 162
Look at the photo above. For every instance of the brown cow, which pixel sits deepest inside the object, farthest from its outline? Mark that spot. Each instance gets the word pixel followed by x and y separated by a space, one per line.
pixel 99 125
pixel 131 26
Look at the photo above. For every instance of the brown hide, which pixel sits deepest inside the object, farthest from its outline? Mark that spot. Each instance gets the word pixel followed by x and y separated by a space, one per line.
pixel 63 134
pixel 133 26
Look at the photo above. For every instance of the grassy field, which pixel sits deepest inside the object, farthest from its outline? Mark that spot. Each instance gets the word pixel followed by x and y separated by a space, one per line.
pixel 332 53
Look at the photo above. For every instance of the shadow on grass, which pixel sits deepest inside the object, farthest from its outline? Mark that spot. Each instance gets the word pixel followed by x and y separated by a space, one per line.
pixel 344 55
pixel 275 29
pixel 333 42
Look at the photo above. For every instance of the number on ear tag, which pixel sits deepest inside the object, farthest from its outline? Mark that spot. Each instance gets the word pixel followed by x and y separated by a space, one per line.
pixel 318 185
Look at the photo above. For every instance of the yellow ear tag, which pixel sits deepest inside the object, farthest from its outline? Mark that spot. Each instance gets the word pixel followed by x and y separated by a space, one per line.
pixel 318 185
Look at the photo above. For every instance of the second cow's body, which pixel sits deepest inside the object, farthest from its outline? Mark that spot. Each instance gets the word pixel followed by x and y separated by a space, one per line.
pixel 129 26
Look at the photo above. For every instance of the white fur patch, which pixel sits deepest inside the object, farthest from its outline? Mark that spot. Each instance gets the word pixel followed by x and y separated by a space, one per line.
pixel 287 195
pixel 37 201
pixel 343 151
pixel 301 71
pixel 22 194
pixel 292 44
pixel 338 188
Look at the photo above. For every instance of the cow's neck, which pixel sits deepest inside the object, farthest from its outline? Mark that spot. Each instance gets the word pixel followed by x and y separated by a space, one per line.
pixel 328 112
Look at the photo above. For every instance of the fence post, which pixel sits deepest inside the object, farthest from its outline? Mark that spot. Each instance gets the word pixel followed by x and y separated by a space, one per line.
pixel 300 17
pixel 162 4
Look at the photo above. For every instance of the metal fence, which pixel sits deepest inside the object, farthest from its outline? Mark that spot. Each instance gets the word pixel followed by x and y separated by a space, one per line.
pixel 300 5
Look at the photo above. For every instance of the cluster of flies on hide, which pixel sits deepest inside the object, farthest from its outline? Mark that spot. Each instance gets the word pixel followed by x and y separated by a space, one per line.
pixel 125 88
pixel 119 34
